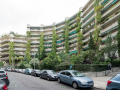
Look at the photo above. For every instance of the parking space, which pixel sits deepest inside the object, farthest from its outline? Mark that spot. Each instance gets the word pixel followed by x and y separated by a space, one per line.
pixel 20 81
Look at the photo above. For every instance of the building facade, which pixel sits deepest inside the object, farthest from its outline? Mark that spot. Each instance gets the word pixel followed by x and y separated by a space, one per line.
pixel 99 17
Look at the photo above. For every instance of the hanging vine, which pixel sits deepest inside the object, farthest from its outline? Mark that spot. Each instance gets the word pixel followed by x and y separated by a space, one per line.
pixel 98 19
pixel 11 53
pixel 79 34
pixel 54 40
pixel 28 34
pixel 28 48
pixel 66 36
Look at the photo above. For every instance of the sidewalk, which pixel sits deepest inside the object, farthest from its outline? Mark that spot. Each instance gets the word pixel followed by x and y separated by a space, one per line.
pixel 101 82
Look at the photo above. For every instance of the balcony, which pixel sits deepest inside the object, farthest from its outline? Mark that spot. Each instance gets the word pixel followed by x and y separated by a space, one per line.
pixel 110 11
pixel 35 42
pixel 4 53
pixel 4 45
pixel 35 38
pixel 20 49
pixel 4 41
pixel 109 28
pixel 48 46
pixel 86 10
pixel 48 33
pixel 4 58
pixel 22 41
pixel 112 35
pixel 34 50
pixel 111 2
pixel 85 46
pixel 48 49
pixel 73 41
pixel 88 15
pixel 87 39
pixel 74 32
pixel 86 34
pixel 89 20
pixel 73 51
pixel 60 48
pixel 73 45
pixel 60 27
pixel 20 45
pixel 4 49
pixel 88 28
pixel 72 36
pixel 111 19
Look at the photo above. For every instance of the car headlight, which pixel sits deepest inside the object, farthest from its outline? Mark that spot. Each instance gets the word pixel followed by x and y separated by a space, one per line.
pixel 83 82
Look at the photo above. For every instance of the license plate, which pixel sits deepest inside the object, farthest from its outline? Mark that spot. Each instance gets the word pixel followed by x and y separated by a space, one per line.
pixel 90 84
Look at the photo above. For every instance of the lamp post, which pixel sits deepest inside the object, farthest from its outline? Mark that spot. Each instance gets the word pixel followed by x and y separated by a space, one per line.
pixel 34 57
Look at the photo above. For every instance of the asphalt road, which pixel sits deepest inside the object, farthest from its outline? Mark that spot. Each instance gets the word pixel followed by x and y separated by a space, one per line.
pixel 20 81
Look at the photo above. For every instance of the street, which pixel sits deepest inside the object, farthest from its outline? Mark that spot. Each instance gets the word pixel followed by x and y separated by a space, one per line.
pixel 20 81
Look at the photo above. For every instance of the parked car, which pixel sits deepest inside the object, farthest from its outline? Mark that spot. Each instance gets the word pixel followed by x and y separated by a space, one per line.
pixel 75 78
pixel 19 71
pixel 48 74
pixel 114 83
pixel 28 71
pixel 23 71
pixel 3 72
pixel 16 70
pixel 5 79
pixel 9 69
pixel 3 85
pixel 12 69
pixel 35 73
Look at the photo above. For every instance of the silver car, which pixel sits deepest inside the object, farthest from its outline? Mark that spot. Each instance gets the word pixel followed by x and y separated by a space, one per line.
pixel 3 72
pixel 3 85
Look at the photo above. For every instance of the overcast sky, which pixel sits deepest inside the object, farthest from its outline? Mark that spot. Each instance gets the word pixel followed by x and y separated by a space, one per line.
pixel 16 14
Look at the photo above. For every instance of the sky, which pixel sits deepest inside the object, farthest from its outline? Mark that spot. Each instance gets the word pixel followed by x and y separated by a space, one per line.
pixel 16 14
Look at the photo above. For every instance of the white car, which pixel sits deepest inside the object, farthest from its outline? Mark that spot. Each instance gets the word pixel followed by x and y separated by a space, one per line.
pixel 3 72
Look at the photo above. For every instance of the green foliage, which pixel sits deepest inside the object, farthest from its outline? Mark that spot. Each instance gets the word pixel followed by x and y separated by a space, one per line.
pixel 64 56
pixel 1 63
pixel 25 58
pixel 36 55
pixel 50 61
pixel 110 49
pixel 66 35
pixel 98 17
pixel 21 64
pixel 11 53
pixel 54 40
pixel 79 34
pixel 28 33
pixel 36 63
pixel 77 59
pixel 41 50
pixel 91 42
pixel 118 37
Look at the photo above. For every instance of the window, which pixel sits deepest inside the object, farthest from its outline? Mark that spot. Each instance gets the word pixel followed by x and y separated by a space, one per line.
pixel 44 71
pixel 116 78
pixel 2 72
pixel 68 73
pixel 62 73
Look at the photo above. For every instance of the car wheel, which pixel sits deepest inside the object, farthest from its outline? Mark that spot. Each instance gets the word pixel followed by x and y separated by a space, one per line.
pixel 75 85
pixel 48 78
pixel 59 80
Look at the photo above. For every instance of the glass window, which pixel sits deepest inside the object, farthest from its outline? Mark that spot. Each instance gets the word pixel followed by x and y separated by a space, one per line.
pixel 68 73
pixel 62 73
pixel 2 72
pixel 51 71
pixel 116 78
pixel 44 71
pixel 78 74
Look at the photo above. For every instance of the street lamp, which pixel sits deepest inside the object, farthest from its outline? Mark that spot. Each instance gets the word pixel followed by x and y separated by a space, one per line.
pixel 34 57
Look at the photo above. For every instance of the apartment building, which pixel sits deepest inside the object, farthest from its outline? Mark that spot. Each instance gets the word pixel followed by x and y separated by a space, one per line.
pixel 19 46
pixel 110 13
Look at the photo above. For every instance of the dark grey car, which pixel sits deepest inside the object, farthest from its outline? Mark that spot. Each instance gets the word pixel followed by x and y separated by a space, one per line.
pixel 5 79
pixel 114 83
pixel 35 73
pixel 3 85
pixel 48 74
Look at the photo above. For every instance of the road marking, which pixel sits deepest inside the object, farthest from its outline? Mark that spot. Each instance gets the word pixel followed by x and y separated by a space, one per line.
pixel 15 85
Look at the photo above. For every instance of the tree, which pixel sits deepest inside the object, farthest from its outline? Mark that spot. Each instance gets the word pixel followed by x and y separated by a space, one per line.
pixel 54 40
pixel 64 56
pixel 39 53
pixel 36 63
pixel 36 55
pixel 79 34
pixel 91 42
pixel 118 37
pixel 50 61
pixel 1 63
pixel 25 58
pixel 28 48
pixel 66 36
pixel 41 50
pixel 11 53
pixel 110 48
pixel 77 59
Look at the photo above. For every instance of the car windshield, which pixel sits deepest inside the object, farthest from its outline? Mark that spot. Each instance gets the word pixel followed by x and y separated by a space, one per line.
pixel 51 71
pixel 78 74
pixel 37 70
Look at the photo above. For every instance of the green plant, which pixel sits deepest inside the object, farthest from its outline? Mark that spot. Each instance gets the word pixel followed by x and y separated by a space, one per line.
pixel 36 61
pixel 28 33
pixel 118 37
pixel 91 42
pixel 28 48
pixel 79 34
pixel 54 40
